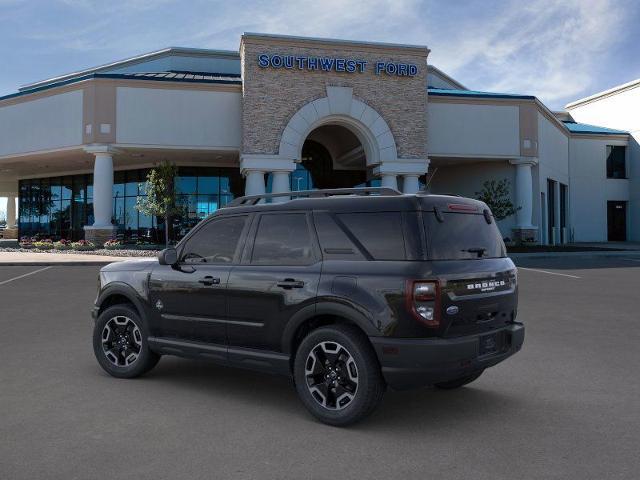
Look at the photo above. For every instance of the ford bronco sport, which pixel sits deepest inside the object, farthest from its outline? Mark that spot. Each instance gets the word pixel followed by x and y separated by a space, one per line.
pixel 347 291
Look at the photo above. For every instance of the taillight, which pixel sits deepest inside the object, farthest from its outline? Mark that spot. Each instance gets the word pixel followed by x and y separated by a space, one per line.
pixel 423 301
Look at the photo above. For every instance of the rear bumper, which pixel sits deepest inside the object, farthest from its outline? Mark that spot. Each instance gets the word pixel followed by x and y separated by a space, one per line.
pixel 410 363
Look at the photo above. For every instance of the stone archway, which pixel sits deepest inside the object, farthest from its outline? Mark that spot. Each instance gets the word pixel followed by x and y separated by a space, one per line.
pixel 339 107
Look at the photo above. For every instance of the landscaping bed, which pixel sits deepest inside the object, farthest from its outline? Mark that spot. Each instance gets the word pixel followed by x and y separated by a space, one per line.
pixel 98 251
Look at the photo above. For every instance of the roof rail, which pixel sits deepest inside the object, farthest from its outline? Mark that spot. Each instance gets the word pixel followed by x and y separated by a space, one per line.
pixel 254 199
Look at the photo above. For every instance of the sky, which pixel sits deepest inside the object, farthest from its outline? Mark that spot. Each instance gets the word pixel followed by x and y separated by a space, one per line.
pixel 557 50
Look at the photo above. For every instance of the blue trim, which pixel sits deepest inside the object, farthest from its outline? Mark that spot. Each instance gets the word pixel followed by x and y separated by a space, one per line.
pixel 585 128
pixel 444 92
pixel 121 76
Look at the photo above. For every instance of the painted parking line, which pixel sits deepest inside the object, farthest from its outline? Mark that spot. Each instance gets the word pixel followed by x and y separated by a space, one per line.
pixel 25 275
pixel 632 259
pixel 548 272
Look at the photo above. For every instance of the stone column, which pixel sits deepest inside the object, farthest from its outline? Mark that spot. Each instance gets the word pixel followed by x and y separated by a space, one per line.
pixel 11 212
pixel 524 229
pixel 389 180
pixel 280 184
pixel 102 228
pixel 254 184
pixel 410 184
pixel 11 232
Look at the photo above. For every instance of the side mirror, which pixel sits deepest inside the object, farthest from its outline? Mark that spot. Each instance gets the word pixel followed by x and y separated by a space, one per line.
pixel 168 256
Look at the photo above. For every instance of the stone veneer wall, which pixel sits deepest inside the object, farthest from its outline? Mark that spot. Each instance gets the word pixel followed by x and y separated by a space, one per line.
pixel 272 96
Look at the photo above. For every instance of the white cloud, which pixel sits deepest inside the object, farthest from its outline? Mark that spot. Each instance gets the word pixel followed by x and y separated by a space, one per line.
pixel 547 48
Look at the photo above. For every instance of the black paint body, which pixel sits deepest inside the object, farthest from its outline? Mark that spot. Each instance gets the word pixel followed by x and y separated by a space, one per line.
pixel 254 316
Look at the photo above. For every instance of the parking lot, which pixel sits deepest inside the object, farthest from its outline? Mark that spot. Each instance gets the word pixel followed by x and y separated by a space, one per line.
pixel 567 406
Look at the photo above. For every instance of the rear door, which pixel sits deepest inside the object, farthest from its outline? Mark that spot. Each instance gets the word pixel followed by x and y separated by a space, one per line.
pixel 278 276
pixel 477 279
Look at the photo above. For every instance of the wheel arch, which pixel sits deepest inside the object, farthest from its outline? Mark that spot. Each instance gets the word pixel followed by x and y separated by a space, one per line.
pixel 318 315
pixel 118 294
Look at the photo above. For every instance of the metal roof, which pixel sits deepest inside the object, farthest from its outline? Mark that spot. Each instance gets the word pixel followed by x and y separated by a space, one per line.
pixel 187 77
pixel 134 60
pixel 585 128
pixel 474 93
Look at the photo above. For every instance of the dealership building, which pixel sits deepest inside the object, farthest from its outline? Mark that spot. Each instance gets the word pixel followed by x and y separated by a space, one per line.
pixel 289 113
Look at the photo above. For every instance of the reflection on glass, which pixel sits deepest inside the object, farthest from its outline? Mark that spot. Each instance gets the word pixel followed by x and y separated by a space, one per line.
pixel 60 207
pixel 186 185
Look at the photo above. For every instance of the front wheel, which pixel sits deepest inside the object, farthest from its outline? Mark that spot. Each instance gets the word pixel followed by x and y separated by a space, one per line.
pixel 337 375
pixel 459 382
pixel 120 343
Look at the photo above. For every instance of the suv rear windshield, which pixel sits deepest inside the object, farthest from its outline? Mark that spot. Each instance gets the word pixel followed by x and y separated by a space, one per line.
pixel 462 236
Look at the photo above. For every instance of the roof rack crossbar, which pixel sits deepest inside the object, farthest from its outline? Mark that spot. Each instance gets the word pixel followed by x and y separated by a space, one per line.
pixel 254 199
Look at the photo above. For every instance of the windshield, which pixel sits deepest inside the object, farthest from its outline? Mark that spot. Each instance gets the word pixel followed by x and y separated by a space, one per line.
pixel 462 236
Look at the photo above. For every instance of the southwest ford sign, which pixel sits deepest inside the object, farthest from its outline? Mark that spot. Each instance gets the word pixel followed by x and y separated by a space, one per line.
pixel 333 64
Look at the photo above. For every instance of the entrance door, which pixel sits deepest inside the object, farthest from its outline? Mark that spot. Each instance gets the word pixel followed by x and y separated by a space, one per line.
pixel 617 221
pixel 551 211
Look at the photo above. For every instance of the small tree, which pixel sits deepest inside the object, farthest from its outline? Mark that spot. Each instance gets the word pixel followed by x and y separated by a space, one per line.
pixel 160 200
pixel 497 196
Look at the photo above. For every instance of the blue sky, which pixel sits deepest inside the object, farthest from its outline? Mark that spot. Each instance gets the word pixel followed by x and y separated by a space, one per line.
pixel 557 50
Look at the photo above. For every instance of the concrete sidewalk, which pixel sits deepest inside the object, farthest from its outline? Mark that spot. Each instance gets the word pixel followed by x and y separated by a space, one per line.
pixel 37 259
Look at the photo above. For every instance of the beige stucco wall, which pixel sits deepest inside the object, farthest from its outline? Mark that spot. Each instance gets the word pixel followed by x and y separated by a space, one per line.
pixel 178 117
pixel 272 96
pixel 49 122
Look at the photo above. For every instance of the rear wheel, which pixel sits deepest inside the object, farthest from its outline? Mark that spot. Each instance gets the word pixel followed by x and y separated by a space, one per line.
pixel 337 375
pixel 459 382
pixel 120 343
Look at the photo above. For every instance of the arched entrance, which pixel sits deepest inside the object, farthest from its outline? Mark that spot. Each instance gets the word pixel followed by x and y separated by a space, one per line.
pixel 332 157
pixel 332 142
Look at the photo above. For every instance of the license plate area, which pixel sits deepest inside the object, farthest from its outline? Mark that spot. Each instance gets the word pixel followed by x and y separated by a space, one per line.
pixel 490 344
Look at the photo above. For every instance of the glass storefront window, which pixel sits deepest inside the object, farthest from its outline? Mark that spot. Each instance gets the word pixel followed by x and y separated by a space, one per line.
pixel 60 207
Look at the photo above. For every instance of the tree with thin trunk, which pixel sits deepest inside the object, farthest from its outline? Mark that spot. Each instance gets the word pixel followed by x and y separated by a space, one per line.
pixel 160 199
pixel 497 196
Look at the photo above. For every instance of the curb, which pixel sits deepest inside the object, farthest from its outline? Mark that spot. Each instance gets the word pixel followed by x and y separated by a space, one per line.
pixel 55 264
pixel 592 254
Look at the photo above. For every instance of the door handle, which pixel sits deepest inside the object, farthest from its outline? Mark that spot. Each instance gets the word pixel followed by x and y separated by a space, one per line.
pixel 289 283
pixel 209 280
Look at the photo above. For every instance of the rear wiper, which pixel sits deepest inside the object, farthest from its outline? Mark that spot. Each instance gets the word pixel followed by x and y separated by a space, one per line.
pixel 479 250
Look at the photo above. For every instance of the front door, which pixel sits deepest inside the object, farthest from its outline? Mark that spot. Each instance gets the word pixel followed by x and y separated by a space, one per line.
pixel 278 276
pixel 189 298
pixel 617 221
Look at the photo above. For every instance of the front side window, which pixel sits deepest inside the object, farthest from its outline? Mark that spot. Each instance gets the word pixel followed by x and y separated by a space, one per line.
pixel 283 239
pixel 616 165
pixel 216 242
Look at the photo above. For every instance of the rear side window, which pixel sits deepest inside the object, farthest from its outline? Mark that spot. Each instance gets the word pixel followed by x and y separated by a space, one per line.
pixel 462 236
pixel 283 239
pixel 380 233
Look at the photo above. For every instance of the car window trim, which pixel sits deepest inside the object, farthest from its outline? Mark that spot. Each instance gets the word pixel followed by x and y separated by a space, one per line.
pixel 248 254
pixel 241 240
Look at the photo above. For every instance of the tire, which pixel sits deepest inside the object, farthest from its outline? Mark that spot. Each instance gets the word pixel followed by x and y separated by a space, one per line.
pixel 349 387
pixel 459 382
pixel 122 326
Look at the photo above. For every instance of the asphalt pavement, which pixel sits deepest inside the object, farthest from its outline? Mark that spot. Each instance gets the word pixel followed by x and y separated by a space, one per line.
pixel 567 406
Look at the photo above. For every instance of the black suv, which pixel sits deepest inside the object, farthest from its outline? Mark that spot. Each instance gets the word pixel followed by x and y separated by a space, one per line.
pixel 347 291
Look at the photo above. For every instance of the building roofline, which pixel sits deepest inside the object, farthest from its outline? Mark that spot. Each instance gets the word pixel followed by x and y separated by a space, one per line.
pixel 604 93
pixel 132 61
pixel 445 92
pixel 448 78
pixel 120 76
pixel 336 41
pixel 597 131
